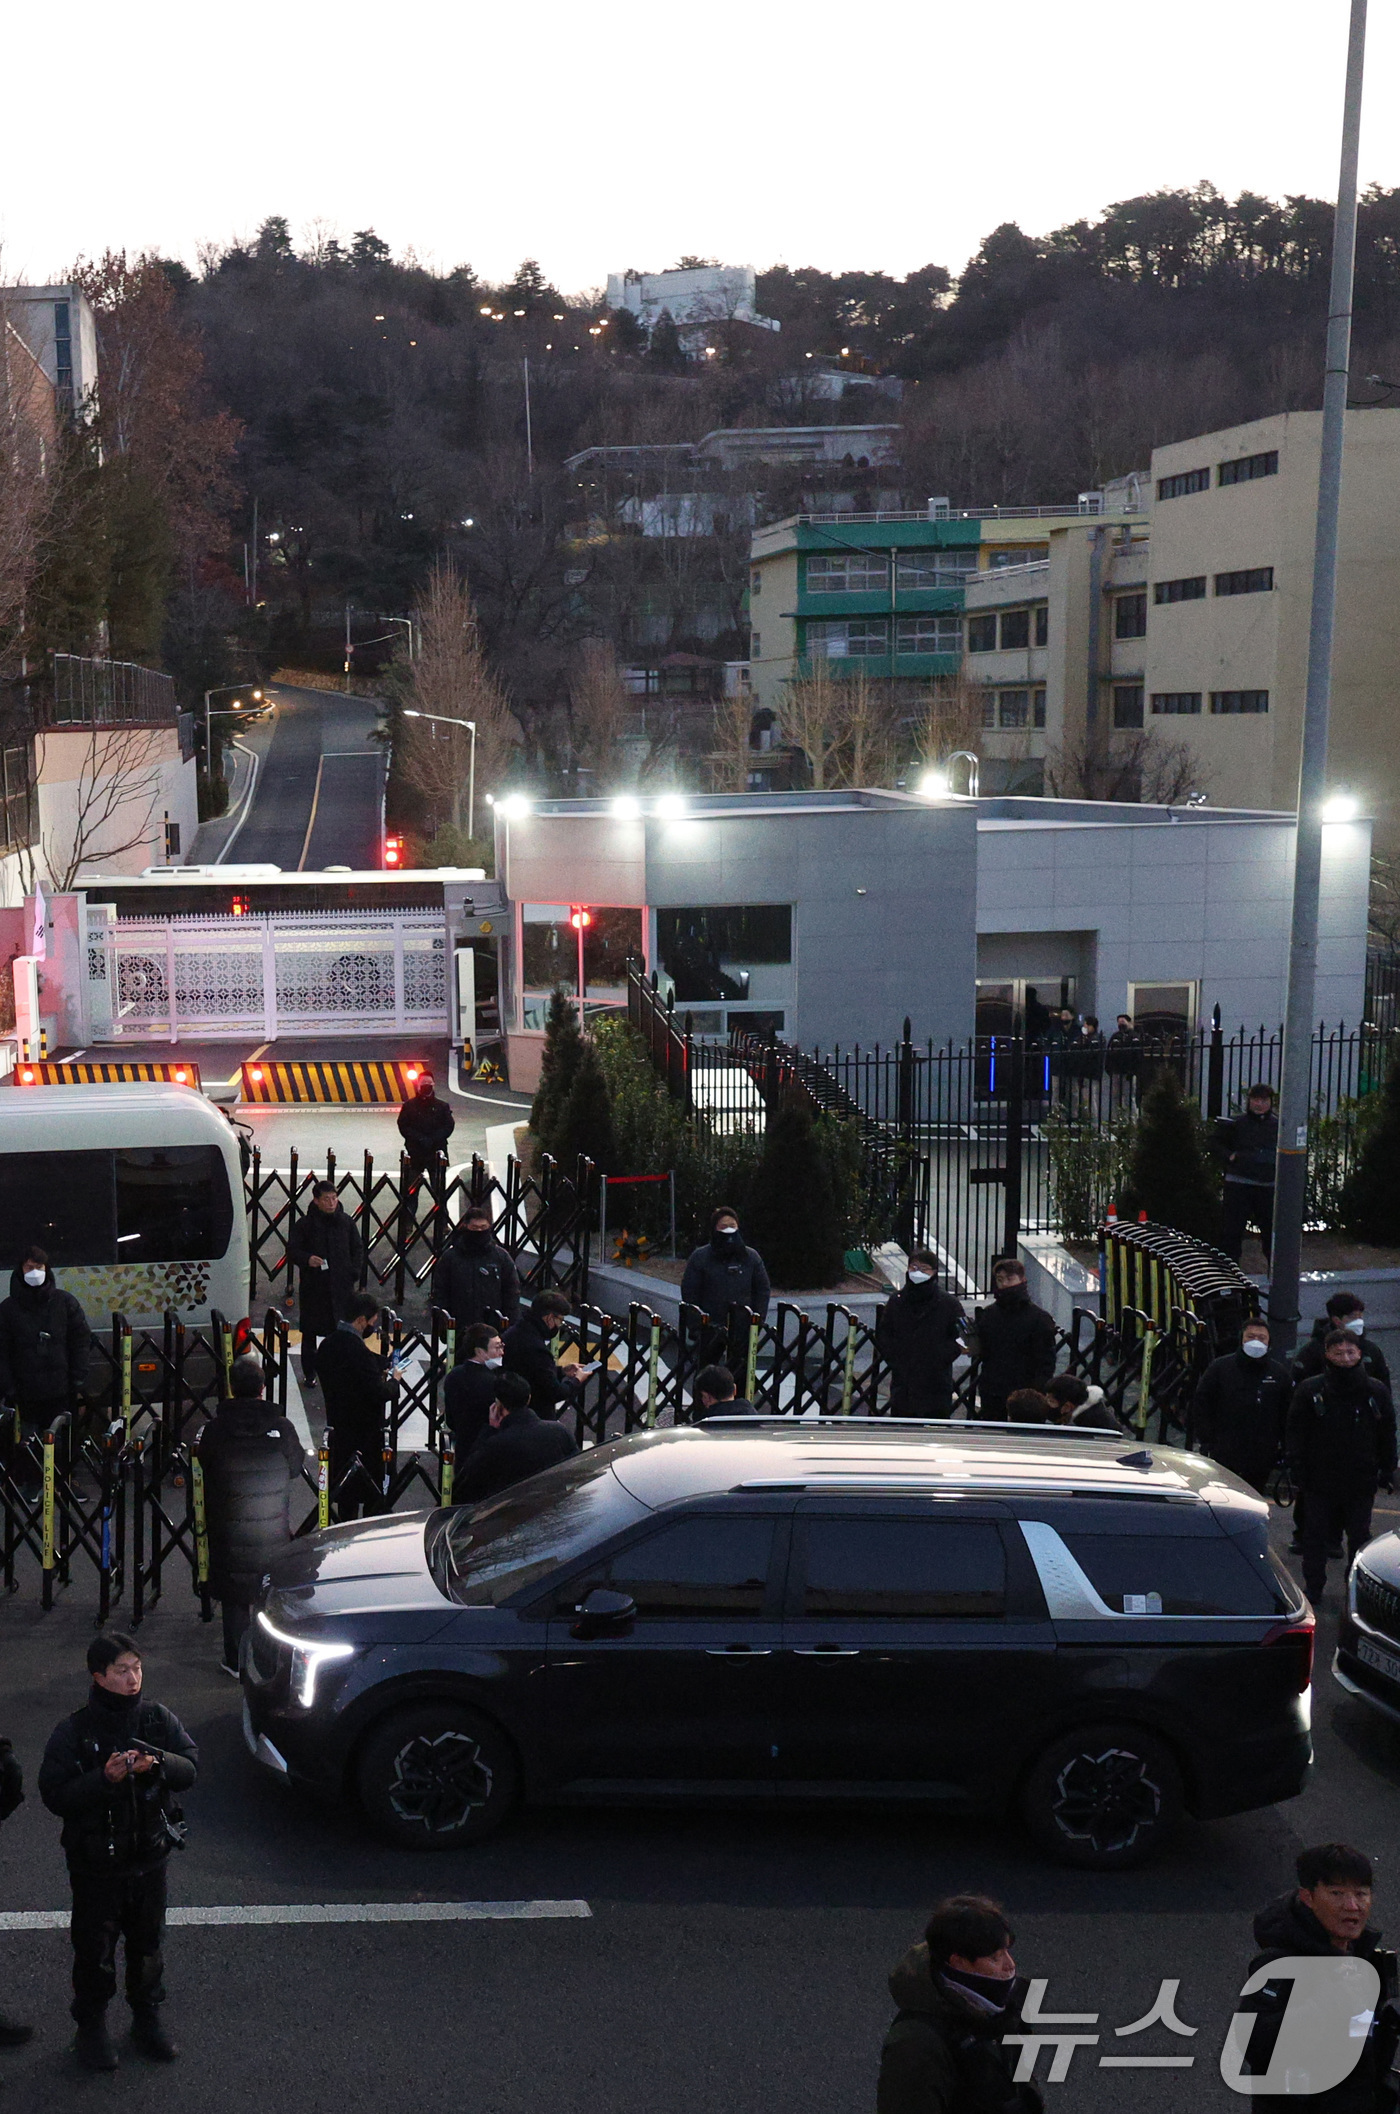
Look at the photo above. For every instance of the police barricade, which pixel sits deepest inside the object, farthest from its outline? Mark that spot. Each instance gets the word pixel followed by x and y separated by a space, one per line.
pixel 1175 1303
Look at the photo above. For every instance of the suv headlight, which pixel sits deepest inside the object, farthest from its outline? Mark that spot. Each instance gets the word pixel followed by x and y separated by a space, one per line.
pixel 308 1658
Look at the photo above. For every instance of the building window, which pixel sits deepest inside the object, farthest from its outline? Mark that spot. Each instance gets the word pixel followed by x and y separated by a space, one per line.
pixel 1015 629
pixel 1042 623
pixel 1255 580
pixel 989 708
pixel 63 355
pixel 982 634
pixel 708 953
pixel 1176 700
pixel 756 581
pixel 1127 704
pixel 1185 481
pixel 847 573
pixel 1013 708
pixel 1192 590
pixel 1019 554
pixel 756 645
pixel 1130 617
pixel 917 571
pixel 928 634
pixel 1037 708
pixel 1239 700
pixel 1249 467
pixel 854 639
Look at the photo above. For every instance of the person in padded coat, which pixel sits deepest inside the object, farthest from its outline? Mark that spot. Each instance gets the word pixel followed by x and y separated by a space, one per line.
pixel 1240 1407
pixel 251 1458
pixel 327 1249
pixel 958 1996
pixel 475 1276
pixel 919 1334
pixel 44 1344
pixel 1013 1341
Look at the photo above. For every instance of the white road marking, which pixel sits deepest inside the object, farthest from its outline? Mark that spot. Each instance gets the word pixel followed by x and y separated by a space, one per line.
pixel 332 1912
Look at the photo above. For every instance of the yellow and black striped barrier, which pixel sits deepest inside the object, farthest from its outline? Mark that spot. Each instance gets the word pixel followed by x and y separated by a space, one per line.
pixel 104 1071
pixel 336 1082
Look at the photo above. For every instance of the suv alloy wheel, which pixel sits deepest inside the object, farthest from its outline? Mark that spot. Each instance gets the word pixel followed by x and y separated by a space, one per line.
pixel 1104 1798
pixel 436 1776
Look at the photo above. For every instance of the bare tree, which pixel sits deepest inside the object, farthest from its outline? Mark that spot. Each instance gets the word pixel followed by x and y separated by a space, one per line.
pixel 872 732
pixel 730 759
pixel 28 444
pixel 597 710
pixel 949 717
pixel 815 716
pixel 117 789
pixel 1141 768
pixel 449 681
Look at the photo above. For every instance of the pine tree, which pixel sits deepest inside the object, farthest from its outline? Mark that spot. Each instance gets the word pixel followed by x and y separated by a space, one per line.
pixel 792 1217
pixel 563 1053
pixel 1170 1176
pixel 1370 1199
pixel 583 1124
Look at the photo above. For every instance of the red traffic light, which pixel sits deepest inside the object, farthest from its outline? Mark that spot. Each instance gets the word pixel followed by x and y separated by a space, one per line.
pixel 393 851
pixel 26 1077
pixel 579 917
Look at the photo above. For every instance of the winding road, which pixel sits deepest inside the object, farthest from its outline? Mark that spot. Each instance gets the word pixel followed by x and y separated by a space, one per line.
pixel 317 801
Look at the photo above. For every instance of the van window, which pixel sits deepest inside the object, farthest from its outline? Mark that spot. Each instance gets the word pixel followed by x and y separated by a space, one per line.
pixel 1176 1574
pixel 173 1203
pixel 139 1204
pixel 904 1567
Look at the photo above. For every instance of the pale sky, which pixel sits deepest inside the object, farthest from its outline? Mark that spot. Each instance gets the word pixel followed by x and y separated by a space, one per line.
pixel 601 134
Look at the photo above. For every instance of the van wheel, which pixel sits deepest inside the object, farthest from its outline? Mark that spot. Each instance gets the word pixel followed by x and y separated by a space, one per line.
pixel 437 1776
pixel 1104 1798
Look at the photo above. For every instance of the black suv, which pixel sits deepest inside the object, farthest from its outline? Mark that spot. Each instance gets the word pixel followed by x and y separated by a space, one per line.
pixel 1367 1663
pixel 973 1616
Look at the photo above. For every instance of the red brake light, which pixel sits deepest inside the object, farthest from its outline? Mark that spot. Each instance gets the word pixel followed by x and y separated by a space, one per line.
pixel 410 1071
pixel 1301 1638
pixel 181 1077
pixel 26 1078
pixel 242 1336
pixel 255 1071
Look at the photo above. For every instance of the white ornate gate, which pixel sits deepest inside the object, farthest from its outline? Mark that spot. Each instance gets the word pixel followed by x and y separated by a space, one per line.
pixel 291 974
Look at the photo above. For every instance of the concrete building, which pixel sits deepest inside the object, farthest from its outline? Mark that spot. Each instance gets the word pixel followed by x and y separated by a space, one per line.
pixel 707 293
pixel 58 325
pixel 832 916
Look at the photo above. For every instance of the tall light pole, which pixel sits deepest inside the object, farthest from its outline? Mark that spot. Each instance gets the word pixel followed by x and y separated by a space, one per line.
pixel 217 691
pixel 444 719
pixel 1296 1087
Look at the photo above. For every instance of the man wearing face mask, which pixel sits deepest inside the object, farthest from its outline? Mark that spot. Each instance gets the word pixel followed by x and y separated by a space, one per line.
pixel 723 1274
pixel 1012 1341
pixel 470 1388
pixel 475 1276
pixel 919 1333
pixel 1340 1440
pixel 1249 1142
pixel 1344 1311
pixel 958 1996
pixel 44 1344
pixel 425 1125
pixel 1241 1402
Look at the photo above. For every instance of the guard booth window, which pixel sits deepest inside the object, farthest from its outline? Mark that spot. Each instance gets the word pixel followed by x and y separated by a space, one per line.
pixel 707 953
pixel 166 1203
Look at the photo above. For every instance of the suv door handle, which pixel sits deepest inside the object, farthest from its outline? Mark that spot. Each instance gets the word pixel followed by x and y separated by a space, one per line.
pixel 826 1651
pixel 737 1651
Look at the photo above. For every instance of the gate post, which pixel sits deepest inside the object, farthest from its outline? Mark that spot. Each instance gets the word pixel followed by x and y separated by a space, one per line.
pixel 1015 1136
pixel 1215 1069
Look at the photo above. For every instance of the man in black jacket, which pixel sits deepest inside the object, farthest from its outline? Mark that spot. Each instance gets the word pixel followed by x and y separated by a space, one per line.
pixel 958 1997
pixel 725 1273
pixel 529 1352
pixel 44 1344
pixel 919 1333
pixel 470 1387
pixel 12 2033
pixel 251 1457
pixel 112 1773
pixel 519 1444
pixel 1240 1406
pixel 327 1249
pixel 1326 1917
pixel 425 1124
pixel 1250 1144
pixel 717 1396
pixel 475 1276
pixel 1013 1341
pixel 1340 1440
pixel 355 1390
pixel 1345 1310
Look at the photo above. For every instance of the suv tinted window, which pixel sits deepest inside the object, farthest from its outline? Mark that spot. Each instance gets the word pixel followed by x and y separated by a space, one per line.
pixel 492 1551
pixel 1169 1574
pixel 904 1567
pixel 715 1566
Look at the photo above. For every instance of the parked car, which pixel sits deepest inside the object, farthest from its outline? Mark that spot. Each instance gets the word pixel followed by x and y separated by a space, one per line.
pixel 1041 1621
pixel 1367 1660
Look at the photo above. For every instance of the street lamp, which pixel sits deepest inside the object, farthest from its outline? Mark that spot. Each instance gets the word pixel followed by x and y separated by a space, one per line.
pixel 444 719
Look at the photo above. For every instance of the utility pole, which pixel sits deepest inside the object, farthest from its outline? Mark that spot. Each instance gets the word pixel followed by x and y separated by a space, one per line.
pixel 1296 1088
pixel 255 550
pixel 529 444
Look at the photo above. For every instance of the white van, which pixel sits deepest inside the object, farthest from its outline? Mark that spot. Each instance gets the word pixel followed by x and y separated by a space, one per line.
pixel 135 1191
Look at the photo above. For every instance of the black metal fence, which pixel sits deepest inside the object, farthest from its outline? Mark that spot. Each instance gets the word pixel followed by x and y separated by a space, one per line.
pixel 406 1218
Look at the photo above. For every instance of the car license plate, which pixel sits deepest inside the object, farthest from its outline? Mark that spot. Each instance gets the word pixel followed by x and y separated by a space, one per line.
pixel 1387 1663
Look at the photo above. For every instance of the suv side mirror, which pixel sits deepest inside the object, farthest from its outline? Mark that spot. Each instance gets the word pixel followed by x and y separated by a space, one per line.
pixel 604 1613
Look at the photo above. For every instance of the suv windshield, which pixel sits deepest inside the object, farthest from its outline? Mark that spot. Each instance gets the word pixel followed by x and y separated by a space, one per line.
pixel 492 1551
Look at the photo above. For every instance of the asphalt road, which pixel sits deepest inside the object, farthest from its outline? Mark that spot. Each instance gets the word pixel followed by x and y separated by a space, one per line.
pixel 732 1962
pixel 317 798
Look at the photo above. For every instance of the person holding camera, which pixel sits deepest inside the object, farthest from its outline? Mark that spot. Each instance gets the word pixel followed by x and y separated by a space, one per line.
pixel 113 1773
